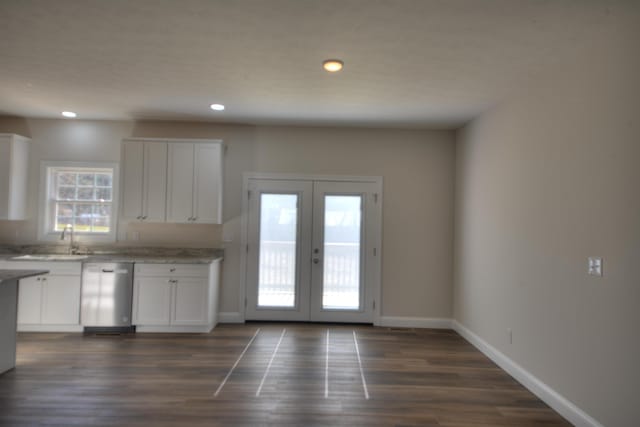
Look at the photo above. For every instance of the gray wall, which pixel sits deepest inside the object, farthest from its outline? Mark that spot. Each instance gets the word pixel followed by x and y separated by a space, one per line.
pixel 417 166
pixel 545 180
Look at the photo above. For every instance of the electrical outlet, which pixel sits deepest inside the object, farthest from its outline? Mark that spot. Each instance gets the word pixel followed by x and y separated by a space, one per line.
pixel 594 266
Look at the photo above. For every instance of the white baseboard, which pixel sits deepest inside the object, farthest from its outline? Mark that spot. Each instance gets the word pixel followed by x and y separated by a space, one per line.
pixel 195 329
pixel 414 322
pixel 50 328
pixel 230 317
pixel 559 403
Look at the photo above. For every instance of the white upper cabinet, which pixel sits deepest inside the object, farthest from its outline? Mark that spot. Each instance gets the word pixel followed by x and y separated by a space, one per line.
pixel 180 188
pixel 14 165
pixel 145 180
pixel 194 189
pixel 207 183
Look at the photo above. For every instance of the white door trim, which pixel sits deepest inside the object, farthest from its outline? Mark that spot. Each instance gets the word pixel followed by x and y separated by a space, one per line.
pixel 244 224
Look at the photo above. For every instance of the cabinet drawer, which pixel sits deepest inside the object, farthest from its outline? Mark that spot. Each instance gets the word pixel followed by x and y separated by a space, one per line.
pixel 172 270
pixel 54 267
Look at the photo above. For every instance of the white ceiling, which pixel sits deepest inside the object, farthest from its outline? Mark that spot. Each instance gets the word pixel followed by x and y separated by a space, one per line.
pixel 408 63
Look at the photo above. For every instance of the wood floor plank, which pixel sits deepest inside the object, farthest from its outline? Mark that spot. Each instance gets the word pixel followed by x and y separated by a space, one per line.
pixel 414 378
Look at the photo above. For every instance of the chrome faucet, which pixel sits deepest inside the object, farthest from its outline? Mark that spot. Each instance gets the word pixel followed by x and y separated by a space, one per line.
pixel 73 246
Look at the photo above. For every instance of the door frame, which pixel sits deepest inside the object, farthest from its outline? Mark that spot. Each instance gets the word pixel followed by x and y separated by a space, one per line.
pixel 376 285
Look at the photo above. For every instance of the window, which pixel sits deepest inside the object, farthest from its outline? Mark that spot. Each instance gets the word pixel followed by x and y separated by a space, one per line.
pixel 80 195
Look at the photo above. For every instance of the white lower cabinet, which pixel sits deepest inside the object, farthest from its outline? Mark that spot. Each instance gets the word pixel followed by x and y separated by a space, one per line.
pixel 30 301
pixel 152 301
pixel 61 300
pixel 190 301
pixel 175 297
pixel 51 302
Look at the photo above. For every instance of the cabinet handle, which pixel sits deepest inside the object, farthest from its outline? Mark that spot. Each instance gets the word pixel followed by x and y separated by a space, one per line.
pixel 172 269
pixel 144 217
pixel 195 218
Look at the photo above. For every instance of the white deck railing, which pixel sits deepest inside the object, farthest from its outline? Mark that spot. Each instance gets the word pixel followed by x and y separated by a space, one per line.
pixel 278 268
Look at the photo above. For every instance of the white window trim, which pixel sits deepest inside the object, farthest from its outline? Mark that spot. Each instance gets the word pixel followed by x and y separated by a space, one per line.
pixel 44 235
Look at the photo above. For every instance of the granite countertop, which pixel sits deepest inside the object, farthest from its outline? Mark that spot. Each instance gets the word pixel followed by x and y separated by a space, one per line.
pixel 153 259
pixel 43 253
pixel 8 275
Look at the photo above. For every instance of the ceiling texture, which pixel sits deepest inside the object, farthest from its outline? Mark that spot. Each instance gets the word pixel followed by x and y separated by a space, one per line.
pixel 408 63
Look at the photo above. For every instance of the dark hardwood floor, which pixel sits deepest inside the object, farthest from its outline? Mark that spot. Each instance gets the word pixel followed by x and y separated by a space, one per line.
pixel 411 378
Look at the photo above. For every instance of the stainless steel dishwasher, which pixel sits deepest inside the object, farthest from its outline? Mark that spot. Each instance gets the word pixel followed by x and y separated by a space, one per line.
pixel 107 293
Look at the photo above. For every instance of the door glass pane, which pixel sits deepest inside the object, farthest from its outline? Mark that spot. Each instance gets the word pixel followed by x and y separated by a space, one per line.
pixel 278 237
pixel 342 233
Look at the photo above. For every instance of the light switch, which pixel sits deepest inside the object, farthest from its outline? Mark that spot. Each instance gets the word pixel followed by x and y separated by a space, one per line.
pixel 595 266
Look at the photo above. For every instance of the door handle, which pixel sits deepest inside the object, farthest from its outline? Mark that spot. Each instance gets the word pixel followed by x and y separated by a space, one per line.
pixel 316 260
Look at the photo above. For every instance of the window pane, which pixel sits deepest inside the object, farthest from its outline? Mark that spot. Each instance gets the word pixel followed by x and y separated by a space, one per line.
pixel 103 194
pixel 103 180
pixel 62 222
pixel 101 218
pixel 101 224
pixel 277 264
pixel 342 234
pixel 64 209
pixel 84 211
pixel 86 179
pixel 67 178
pixel 103 210
pixel 85 193
pixel 66 193
pixel 82 218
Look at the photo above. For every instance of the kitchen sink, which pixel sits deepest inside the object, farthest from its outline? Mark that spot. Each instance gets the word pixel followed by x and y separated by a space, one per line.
pixel 51 257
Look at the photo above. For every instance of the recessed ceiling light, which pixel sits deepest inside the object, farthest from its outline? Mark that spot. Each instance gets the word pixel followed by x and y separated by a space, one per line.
pixel 69 114
pixel 332 65
pixel 217 107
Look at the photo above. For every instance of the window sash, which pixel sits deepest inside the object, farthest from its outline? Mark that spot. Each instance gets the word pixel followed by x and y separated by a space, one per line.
pixel 91 215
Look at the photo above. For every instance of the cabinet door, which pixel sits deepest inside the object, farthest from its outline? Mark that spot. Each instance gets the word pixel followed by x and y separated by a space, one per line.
pixel 152 302
pixel 155 182
pixel 180 183
pixel 30 300
pixel 5 176
pixel 132 174
pixel 61 300
pixel 14 161
pixel 190 301
pixel 207 191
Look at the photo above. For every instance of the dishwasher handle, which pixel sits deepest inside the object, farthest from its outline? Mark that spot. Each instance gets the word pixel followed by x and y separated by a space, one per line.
pixel 116 271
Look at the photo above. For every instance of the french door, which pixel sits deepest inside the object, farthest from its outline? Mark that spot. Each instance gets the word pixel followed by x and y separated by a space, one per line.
pixel 312 250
